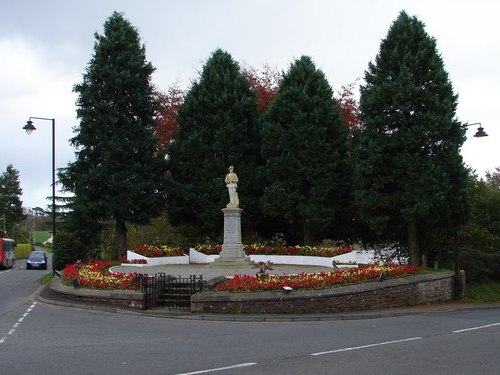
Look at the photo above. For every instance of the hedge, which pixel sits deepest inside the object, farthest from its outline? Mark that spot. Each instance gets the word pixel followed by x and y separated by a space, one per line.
pixel 23 250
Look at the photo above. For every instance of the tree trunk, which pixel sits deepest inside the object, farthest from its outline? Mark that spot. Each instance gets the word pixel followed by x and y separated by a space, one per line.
pixel 121 238
pixel 413 248
pixel 308 234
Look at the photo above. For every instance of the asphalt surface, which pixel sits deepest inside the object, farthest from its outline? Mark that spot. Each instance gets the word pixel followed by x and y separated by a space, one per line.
pixel 46 295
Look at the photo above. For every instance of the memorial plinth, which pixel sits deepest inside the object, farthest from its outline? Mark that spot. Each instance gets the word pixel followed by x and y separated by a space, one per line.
pixel 232 254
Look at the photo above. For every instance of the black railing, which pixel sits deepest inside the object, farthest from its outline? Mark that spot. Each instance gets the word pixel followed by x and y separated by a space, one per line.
pixel 163 290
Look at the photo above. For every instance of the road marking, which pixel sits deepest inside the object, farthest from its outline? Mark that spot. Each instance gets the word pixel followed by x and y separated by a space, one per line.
pixel 16 325
pixel 474 328
pixel 367 346
pixel 219 369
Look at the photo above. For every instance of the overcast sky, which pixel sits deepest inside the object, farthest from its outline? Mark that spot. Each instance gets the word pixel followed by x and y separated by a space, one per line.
pixel 46 45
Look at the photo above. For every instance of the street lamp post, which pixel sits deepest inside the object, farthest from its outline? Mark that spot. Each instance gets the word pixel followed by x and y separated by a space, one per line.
pixel 480 130
pixel 458 280
pixel 29 129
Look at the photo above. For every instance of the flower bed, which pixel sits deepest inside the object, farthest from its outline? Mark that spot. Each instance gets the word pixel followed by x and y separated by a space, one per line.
pixel 96 275
pixel 155 255
pixel 259 249
pixel 153 251
pixel 244 283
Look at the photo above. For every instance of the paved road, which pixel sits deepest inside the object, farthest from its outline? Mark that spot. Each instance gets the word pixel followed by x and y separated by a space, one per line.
pixel 39 338
pixel 17 290
pixel 59 340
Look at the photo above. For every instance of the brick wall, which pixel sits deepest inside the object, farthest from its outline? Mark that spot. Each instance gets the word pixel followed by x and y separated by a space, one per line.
pixel 407 291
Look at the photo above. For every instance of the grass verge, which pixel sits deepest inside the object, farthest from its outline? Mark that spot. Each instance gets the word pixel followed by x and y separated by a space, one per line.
pixel 483 291
pixel 46 278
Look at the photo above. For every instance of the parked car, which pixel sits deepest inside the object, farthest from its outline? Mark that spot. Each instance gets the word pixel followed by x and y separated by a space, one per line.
pixel 37 259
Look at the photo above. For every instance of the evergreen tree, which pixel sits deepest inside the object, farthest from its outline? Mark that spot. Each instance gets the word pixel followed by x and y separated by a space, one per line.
pixel 11 206
pixel 117 174
pixel 482 232
pixel 218 127
pixel 410 173
pixel 304 144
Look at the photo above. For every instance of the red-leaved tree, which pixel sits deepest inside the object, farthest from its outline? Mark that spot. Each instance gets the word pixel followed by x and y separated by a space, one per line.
pixel 349 107
pixel 166 122
pixel 265 83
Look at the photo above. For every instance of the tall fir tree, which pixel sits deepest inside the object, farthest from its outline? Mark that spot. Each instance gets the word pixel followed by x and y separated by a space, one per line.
pixel 218 127
pixel 117 174
pixel 304 144
pixel 11 206
pixel 410 173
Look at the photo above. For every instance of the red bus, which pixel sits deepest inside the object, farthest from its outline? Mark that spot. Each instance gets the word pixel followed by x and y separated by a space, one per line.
pixel 7 257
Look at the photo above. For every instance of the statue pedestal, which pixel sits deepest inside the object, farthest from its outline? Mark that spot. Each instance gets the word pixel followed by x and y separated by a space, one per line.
pixel 232 254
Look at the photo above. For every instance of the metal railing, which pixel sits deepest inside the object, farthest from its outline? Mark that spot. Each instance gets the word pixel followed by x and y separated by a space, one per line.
pixel 167 291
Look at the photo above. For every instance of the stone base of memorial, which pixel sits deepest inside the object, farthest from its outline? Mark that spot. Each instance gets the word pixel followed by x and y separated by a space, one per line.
pixel 232 254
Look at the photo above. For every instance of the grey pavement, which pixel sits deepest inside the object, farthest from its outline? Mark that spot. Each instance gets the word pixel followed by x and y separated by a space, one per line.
pixel 208 272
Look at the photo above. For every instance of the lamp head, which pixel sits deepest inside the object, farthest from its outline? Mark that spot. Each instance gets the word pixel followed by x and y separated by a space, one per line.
pixel 480 133
pixel 29 127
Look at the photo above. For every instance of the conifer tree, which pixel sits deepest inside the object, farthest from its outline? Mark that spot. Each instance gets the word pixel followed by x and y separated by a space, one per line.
pixel 117 175
pixel 11 206
pixel 304 144
pixel 410 173
pixel 218 127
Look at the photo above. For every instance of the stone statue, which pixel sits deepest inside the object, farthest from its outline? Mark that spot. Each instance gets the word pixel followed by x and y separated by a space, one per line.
pixel 231 181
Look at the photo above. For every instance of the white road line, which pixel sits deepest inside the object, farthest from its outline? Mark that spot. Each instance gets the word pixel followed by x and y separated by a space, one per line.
pixel 219 369
pixel 16 325
pixel 367 346
pixel 474 328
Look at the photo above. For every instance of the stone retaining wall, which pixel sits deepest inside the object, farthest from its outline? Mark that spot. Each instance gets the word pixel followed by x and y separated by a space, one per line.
pixel 399 292
pixel 120 298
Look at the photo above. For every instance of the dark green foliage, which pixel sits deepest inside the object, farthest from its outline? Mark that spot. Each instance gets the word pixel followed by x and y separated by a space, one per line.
pixel 10 198
pixel 117 174
pixel 411 177
pixel 68 249
pixel 305 147
pixel 482 232
pixel 218 127
pixel 82 222
pixel 479 265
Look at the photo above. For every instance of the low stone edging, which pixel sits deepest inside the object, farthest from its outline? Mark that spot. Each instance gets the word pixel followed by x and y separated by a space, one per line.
pixel 390 293
pixel 157 261
pixel 121 298
pixel 397 292
pixel 196 257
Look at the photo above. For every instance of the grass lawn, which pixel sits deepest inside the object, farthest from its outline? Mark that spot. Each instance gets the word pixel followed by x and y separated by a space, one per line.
pixel 42 236
pixel 483 291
